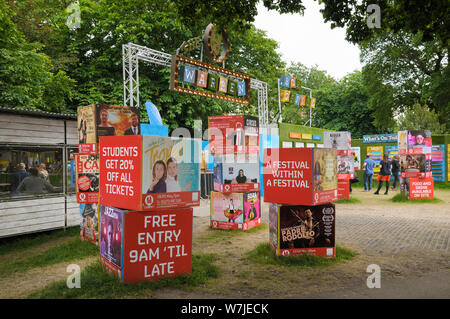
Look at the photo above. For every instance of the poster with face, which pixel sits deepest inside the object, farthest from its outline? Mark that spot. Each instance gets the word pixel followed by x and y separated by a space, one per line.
pixel 87 178
pixel 419 139
pixel 252 206
pixel 338 140
pixel 111 223
pixel 117 120
pixel 356 153
pixel 345 166
pixel 170 165
pixel 325 170
pixel 228 207
pixel 236 169
pixel 89 222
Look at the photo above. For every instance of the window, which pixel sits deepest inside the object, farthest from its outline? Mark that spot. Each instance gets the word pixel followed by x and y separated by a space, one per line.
pixel 30 171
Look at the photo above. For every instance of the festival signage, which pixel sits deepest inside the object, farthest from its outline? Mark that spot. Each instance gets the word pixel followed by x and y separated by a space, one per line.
pixel 380 138
pixel 376 154
pixel 97 120
pixel 356 152
pixel 89 222
pixel 342 141
pixel 235 210
pixel 87 178
pixel 420 188
pixel 149 172
pixel 414 142
pixel 415 165
pixel 140 246
pixel 233 134
pixel 302 230
pixel 238 173
pixel 202 79
pixel 345 167
pixel 300 176
pixel 343 189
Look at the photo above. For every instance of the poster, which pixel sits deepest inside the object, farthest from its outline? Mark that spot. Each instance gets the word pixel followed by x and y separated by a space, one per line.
pixel 376 154
pixel 300 176
pixel 338 140
pixel 345 167
pixel 87 178
pixel 98 120
pixel 89 222
pixel 111 238
pixel 305 230
pixel 421 188
pixel 415 165
pixel 343 189
pixel 236 173
pixel 356 153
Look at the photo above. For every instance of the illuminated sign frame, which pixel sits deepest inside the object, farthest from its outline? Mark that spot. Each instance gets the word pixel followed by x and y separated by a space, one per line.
pixel 211 69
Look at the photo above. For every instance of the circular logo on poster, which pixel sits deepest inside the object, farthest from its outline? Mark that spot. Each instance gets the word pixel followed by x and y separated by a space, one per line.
pixel 82 196
pixel 148 200
pixel 227 188
pixel 285 253
pixel 216 43
pixel 214 224
pixel 84 183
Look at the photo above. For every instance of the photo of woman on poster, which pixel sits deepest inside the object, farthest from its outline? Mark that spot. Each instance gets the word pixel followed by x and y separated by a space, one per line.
pixel 241 178
pixel 159 173
pixel 172 183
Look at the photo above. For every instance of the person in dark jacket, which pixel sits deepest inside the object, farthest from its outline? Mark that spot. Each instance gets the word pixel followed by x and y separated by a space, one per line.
pixel 18 177
pixel 384 175
pixel 395 170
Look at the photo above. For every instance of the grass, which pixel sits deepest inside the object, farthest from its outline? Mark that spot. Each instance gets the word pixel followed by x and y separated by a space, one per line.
pixel 223 234
pixel 262 254
pixel 350 200
pixel 401 198
pixel 14 244
pixel 96 283
pixel 72 250
pixel 442 185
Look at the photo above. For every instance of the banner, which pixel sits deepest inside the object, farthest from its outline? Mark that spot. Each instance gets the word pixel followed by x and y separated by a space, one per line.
pixel 380 138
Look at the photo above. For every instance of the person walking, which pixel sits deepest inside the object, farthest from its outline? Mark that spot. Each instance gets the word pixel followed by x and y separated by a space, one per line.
pixel 368 173
pixel 395 170
pixel 384 175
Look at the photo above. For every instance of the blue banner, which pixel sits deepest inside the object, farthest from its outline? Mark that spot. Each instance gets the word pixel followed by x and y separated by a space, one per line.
pixel 380 138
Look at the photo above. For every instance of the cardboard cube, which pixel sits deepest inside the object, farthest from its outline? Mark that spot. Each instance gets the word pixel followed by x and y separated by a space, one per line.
pixel 415 165
pixel 300 230
pixel 87 178
pixel 233 134
pixel 149 172
pixel 414 142
pixel 345 167
pixel 235 210
pixel 97 120
pixel 89 222
pixel 421 188
pixel 300 176
pixel 139 246
pixel 235 174
pixel 339 140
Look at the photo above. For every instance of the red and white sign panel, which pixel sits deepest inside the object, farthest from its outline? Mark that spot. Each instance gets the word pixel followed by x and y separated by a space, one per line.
pixel 87 178
pixel 420 188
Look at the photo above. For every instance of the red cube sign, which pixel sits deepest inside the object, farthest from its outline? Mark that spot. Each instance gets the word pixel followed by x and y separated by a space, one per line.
pixel 420 188
pixel 300 176
pixel 233 134
pixel 141 246
pixel 343 189
pixel 149 172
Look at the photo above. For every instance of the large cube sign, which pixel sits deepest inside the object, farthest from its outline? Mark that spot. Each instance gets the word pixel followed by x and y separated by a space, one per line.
pixel 301 230
pixel 233 134
pixel 236 173
pixel 421 188
pixel 149 172
pixel 235 210
pixel 87 178
pixel 415 165
pixel 98 120
pixel 152 245
pixel 300 176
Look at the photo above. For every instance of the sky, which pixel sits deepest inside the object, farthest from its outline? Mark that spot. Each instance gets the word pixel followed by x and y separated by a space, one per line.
pixel 309 40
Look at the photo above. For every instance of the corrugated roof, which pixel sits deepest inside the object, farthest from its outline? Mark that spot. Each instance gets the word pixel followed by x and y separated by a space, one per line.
pixel 38 113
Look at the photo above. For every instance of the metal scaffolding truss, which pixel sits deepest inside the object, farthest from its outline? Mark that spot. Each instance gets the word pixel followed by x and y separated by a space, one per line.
pixel 133 53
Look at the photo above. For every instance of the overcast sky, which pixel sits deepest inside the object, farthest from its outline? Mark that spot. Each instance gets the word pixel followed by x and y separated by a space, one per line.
pixel 309 40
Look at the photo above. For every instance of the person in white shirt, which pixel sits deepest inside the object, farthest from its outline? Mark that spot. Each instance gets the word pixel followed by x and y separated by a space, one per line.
pixel 172 177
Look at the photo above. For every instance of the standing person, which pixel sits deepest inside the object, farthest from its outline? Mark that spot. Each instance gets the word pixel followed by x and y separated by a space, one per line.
pixel 395 170
pixel 385 174
pixel 368 173
pixel 18 177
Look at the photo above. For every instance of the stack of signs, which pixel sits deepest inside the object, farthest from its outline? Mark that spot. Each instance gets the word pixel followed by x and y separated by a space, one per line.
pixel 341 141
pixel 148 185
pixel 234 142
pixel 301 184
pixel 415 149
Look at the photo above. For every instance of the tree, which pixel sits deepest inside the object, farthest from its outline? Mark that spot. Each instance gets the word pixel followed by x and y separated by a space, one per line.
pixel 420 117
pixel 400 70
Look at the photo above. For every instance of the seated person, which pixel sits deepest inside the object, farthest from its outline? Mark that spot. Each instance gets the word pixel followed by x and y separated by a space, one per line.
pixel 33 184
pixel 18 177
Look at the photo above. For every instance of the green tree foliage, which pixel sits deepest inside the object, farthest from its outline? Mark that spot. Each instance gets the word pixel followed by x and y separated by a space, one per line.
pixel 400 70
pixel 420 117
